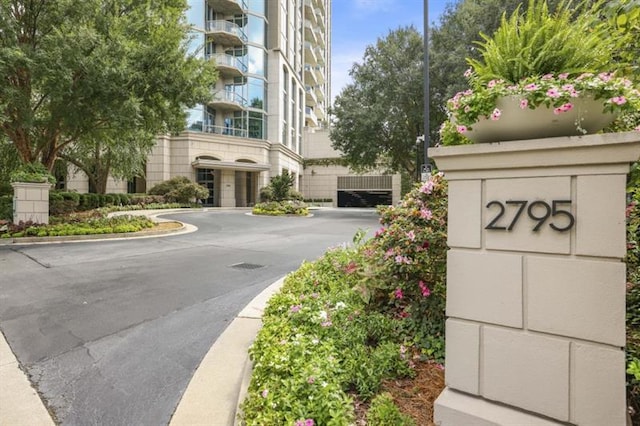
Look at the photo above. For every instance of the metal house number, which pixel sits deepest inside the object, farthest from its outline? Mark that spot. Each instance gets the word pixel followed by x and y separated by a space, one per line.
pixel 538 211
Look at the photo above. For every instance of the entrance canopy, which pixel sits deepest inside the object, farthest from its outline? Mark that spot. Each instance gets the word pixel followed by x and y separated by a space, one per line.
pixel 229 165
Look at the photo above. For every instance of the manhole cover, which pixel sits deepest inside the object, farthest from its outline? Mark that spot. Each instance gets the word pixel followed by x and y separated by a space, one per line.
pixel 243 265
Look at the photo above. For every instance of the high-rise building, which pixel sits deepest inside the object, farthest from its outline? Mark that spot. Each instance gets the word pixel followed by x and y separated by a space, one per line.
pixel 273 59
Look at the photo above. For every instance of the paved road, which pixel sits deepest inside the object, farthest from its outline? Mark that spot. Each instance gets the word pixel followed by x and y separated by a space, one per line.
pixel 111 332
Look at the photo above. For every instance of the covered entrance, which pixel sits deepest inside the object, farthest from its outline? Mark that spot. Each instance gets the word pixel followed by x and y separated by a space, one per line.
pixel 230 184
pixel 364 191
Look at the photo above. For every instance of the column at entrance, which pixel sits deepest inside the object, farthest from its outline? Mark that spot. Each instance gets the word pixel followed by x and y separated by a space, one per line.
pixel 535 329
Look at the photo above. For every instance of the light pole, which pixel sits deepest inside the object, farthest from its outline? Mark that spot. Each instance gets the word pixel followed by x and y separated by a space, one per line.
pixel 426 167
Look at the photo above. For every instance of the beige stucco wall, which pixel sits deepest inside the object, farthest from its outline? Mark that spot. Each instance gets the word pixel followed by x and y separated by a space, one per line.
pixel 536 319
pixel 30 202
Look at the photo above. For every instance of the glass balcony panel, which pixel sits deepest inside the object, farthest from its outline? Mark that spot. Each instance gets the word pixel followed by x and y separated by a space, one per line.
pixel 228 100
pixel 227 33
pixel 229 7
pixel 225 131
pixel 229 65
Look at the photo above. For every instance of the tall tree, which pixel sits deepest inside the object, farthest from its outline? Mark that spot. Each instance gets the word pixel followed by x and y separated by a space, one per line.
pixel 78 72
pixel 378 117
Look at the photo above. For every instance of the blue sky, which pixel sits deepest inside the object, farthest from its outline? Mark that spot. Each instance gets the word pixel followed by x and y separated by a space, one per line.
pixel 357 24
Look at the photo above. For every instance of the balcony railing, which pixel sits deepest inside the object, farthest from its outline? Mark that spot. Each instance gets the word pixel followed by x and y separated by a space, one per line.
pixel 311 97
pixel 226 131
pixel 230 33
pixel 309 53
pixel 231 100
pixel 308 113
pixel 229 62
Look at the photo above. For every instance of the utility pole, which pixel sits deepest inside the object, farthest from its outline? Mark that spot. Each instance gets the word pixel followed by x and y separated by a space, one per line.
pixel 426 167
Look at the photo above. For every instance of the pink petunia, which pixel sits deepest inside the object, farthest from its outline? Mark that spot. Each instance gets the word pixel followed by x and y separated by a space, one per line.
pixel 296 308
pixel 553 93
pixel 461 129
pixel 495 115
pixel 619 100
pixel 524 103
pixel 563 76
pixel 547 77
pixel 531 87
pixel 411 235
pixel 468 72
pixel 398 293
pixel 426 214
pixel 605 76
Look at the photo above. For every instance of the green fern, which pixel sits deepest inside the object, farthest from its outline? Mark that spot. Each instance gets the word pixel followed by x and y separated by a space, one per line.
pixel 538 42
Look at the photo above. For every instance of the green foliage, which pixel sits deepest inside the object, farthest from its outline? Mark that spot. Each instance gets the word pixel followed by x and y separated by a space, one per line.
pixel 404 269
pixel 83 74
pixel 92 226
pixel 281 208
pixel 32 173
pixel 6 207
pixel 380 115
pixel 538 42
pixel 383 412
pixel 179 189
pixel 281 185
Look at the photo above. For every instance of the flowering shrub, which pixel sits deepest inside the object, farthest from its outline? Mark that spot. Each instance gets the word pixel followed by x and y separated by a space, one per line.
pixel 317 345
pixel 554 91
pixel 404 268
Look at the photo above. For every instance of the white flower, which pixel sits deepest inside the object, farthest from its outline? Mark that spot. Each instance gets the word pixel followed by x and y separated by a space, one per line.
pixel 340 305
pixel 323 315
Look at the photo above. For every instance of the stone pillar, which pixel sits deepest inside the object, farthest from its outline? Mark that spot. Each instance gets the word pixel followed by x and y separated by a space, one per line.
pixel 31 202
pixel 227 188
pixel 535 330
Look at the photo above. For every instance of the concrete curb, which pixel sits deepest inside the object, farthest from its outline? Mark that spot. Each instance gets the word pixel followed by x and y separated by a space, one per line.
pixel 19 402
pixel 220 382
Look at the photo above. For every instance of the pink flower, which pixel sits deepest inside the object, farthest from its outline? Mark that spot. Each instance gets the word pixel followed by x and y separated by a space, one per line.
pixel 468 92
pixel 637 129
pixel 563 108
pixel 605 76
pixel 495 115
pixel 427 187
pixel 531 87
pixel 492 83
pixel 461 129
pixel 389 253
pixel 524 103
pixel 265 393
pixel 568 87
pixel 553 93
pixel 309 422
pixel 574 93
pixel 563 76
pixel 468 72
pixel 424 289
pixel 351 268
pixel 311 380
pixel 426 214
pixel 296 308
pixel 411 235
pixel 326 324
pixel 403 259
pixel 398 294
pixel 547 77
pixel 380 232
pixel 619 100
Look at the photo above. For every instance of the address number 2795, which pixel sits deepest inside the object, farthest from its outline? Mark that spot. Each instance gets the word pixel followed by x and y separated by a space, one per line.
pixel 538 211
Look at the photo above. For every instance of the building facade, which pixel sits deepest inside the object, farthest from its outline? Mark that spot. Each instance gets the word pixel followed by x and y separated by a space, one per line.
pixel 273 59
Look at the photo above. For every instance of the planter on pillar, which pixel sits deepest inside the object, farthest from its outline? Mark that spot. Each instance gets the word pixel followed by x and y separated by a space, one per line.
pixel 31 202
pixel 535 330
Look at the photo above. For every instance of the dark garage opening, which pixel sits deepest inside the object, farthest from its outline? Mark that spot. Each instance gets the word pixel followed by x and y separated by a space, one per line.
pixel 363 198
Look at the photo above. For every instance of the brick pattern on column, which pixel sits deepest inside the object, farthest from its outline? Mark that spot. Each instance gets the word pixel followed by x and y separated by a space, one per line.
pixel 485 287
pixel 600 229
pixel 463 356
pixel 584 299
pixel 527 371
pixel 597 386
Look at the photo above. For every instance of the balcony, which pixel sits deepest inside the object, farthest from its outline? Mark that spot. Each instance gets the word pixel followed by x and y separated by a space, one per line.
pixel 228 7
pixel 227 33
pixel 228 65
pixel 310 75
pixel 319 92
pixel 310 12
pixel 320 112
pixel 310 54
pixel 309 33
pixel 225 131
pixel 311 120
pixel 319 73
pixel 229 101
pixel 310 96
pixel 319 55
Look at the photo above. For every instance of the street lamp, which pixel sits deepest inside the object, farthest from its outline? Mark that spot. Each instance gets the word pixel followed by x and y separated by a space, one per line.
pixel 426 167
